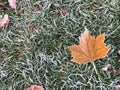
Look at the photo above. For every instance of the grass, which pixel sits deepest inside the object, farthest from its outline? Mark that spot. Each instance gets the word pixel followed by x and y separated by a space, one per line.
pixel 34 46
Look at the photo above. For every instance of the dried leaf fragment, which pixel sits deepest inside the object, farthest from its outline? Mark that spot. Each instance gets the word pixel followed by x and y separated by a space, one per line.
pixel 117 72
pixel 4 22
pixel 118 52
pixel 105 68
pixel 119 60
pixel 54 6
pixel 64 11
pixel 2 7
pixel 35 87
pixel 117 87
pixel 12 3
pixel 89 48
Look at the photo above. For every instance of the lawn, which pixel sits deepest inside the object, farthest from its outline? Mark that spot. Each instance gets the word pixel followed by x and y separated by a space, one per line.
pixel 34 46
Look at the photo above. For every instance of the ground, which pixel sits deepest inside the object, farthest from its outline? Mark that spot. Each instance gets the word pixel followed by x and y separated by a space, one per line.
pixel 33 48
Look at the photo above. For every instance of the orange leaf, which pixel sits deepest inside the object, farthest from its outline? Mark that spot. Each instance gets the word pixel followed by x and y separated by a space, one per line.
pixel 89 48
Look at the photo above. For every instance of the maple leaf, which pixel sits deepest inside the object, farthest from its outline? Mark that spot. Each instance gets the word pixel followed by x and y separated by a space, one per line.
pixel 89 48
